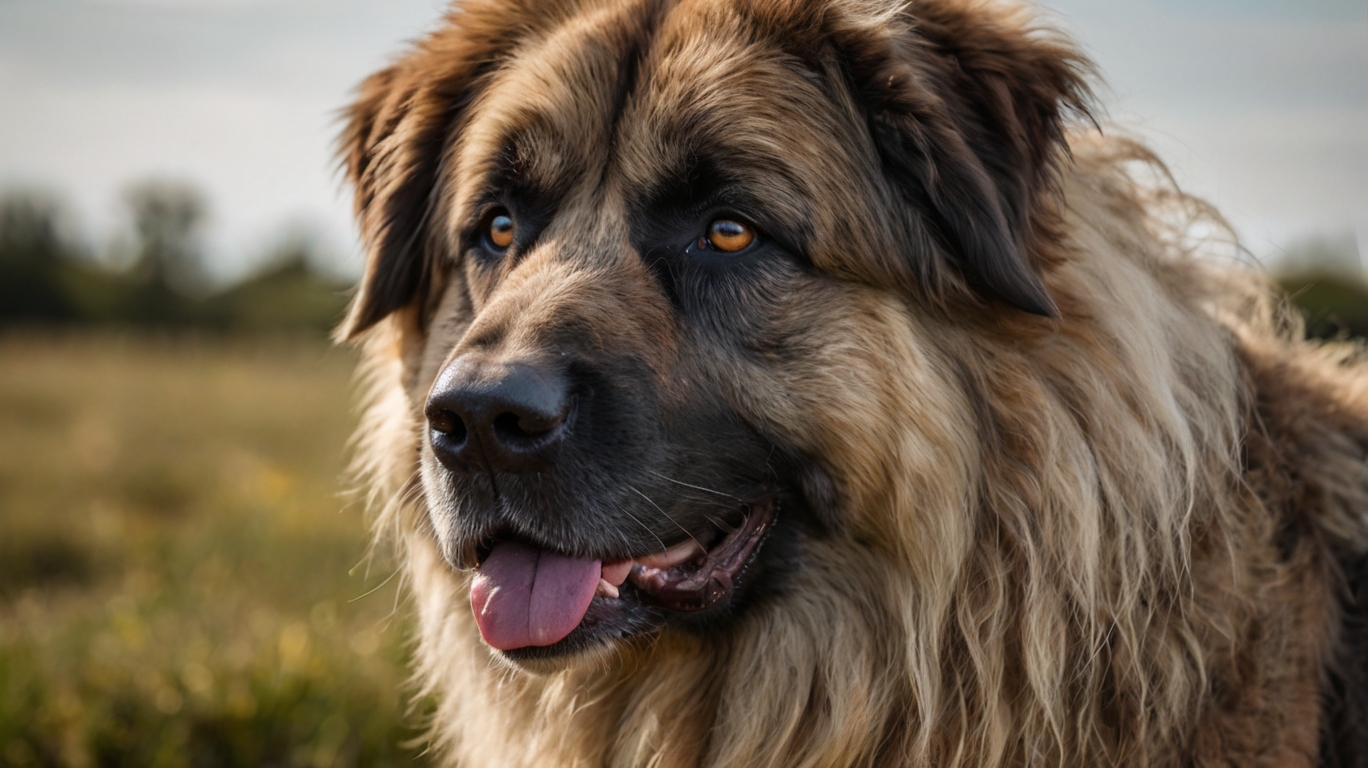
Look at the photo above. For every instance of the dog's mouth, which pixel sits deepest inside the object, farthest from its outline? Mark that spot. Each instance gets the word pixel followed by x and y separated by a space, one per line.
pixel 531 602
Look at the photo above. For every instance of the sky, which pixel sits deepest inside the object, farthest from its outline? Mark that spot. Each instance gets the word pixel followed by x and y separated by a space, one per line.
pixel 1260 106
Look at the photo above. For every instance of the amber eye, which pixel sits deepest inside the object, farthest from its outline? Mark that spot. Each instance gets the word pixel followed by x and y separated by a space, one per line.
pixel 501 230
pixel 730 236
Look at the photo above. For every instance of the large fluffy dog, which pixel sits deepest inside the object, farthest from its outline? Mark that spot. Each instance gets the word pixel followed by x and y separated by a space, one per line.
pixel 802 383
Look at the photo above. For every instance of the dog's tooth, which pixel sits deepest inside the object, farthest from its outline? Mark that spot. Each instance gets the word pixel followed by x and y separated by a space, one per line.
pixel 606 590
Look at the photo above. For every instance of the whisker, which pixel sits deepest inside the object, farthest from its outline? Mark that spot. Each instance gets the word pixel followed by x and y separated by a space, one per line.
pixel 695 487
pixel 648 530
pixel 663 512
pixel 377 587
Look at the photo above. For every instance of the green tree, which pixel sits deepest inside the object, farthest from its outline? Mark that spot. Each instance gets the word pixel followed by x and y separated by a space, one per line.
pixel 168 221
pixel 33 252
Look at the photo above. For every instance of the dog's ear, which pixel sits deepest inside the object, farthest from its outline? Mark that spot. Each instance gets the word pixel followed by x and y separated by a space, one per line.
pixel 392 166
pixel 396 136
pixel 966 104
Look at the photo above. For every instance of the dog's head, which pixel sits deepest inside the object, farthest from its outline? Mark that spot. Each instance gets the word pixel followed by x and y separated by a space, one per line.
pixel 678 272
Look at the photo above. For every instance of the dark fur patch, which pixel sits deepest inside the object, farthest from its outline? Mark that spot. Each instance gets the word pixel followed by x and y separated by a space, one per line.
pixel 1344 741
pixel 969 122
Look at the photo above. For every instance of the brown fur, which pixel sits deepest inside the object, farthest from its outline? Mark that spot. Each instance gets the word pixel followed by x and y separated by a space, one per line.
pixel 1110 529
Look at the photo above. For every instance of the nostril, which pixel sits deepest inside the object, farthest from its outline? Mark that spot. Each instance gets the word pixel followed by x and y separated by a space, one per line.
pixel 509 426
pixel 449 425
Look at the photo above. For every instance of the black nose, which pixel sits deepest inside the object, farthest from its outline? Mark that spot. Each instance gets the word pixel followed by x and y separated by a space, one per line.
pixel 498 417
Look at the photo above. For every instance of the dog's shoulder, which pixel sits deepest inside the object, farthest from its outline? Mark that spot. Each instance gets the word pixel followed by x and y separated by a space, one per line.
pixel 1307 453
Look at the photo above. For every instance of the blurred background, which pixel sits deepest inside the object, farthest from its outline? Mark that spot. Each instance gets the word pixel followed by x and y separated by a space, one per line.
pixel 183 580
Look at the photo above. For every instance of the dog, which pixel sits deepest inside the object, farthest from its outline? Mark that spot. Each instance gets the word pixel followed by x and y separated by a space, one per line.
pixel 814 383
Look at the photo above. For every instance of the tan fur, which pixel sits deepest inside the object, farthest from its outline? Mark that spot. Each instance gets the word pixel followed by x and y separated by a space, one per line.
pixel 1111 538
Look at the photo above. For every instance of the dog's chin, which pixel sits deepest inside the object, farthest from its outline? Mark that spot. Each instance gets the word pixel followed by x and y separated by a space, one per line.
pixel 593 656
pixel 607 626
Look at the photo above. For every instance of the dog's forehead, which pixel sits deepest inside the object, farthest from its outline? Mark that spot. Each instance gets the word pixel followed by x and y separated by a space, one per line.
pixel 712 83
pixel 626 97
pixel 540 116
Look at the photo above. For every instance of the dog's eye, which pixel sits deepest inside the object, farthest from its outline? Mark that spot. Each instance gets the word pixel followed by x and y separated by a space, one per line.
pixel 729 236
pixel 501 230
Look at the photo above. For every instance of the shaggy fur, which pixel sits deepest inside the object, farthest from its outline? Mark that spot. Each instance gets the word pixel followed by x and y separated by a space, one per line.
pixel 1076 491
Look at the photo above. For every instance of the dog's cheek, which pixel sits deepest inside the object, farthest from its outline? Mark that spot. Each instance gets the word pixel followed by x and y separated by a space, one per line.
pixel 448 324
pixel 856 377
pixel 449 320
pixel 442 500
pixel 822 494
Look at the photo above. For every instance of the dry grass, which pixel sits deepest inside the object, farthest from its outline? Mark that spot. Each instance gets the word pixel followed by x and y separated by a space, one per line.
pixel 175 557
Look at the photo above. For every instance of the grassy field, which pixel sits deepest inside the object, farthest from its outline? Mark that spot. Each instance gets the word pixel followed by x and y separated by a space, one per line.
pixel 177 581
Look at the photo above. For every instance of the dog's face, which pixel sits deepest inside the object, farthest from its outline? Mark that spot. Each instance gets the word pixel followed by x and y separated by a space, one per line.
pixel 674 267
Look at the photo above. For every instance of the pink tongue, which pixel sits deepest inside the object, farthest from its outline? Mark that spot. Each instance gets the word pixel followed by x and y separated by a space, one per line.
pixel 526 596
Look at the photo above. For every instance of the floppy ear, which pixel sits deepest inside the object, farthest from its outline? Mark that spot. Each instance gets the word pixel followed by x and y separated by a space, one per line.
pixel 393 171
pixel 397 133
pixel 967 106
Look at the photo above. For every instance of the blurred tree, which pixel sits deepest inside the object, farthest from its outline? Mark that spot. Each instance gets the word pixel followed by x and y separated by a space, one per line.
pixel 288 293
pixel 46 279
pixel 1335 306
pixel 1324 277
pixel 168 222
pixel 33 252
